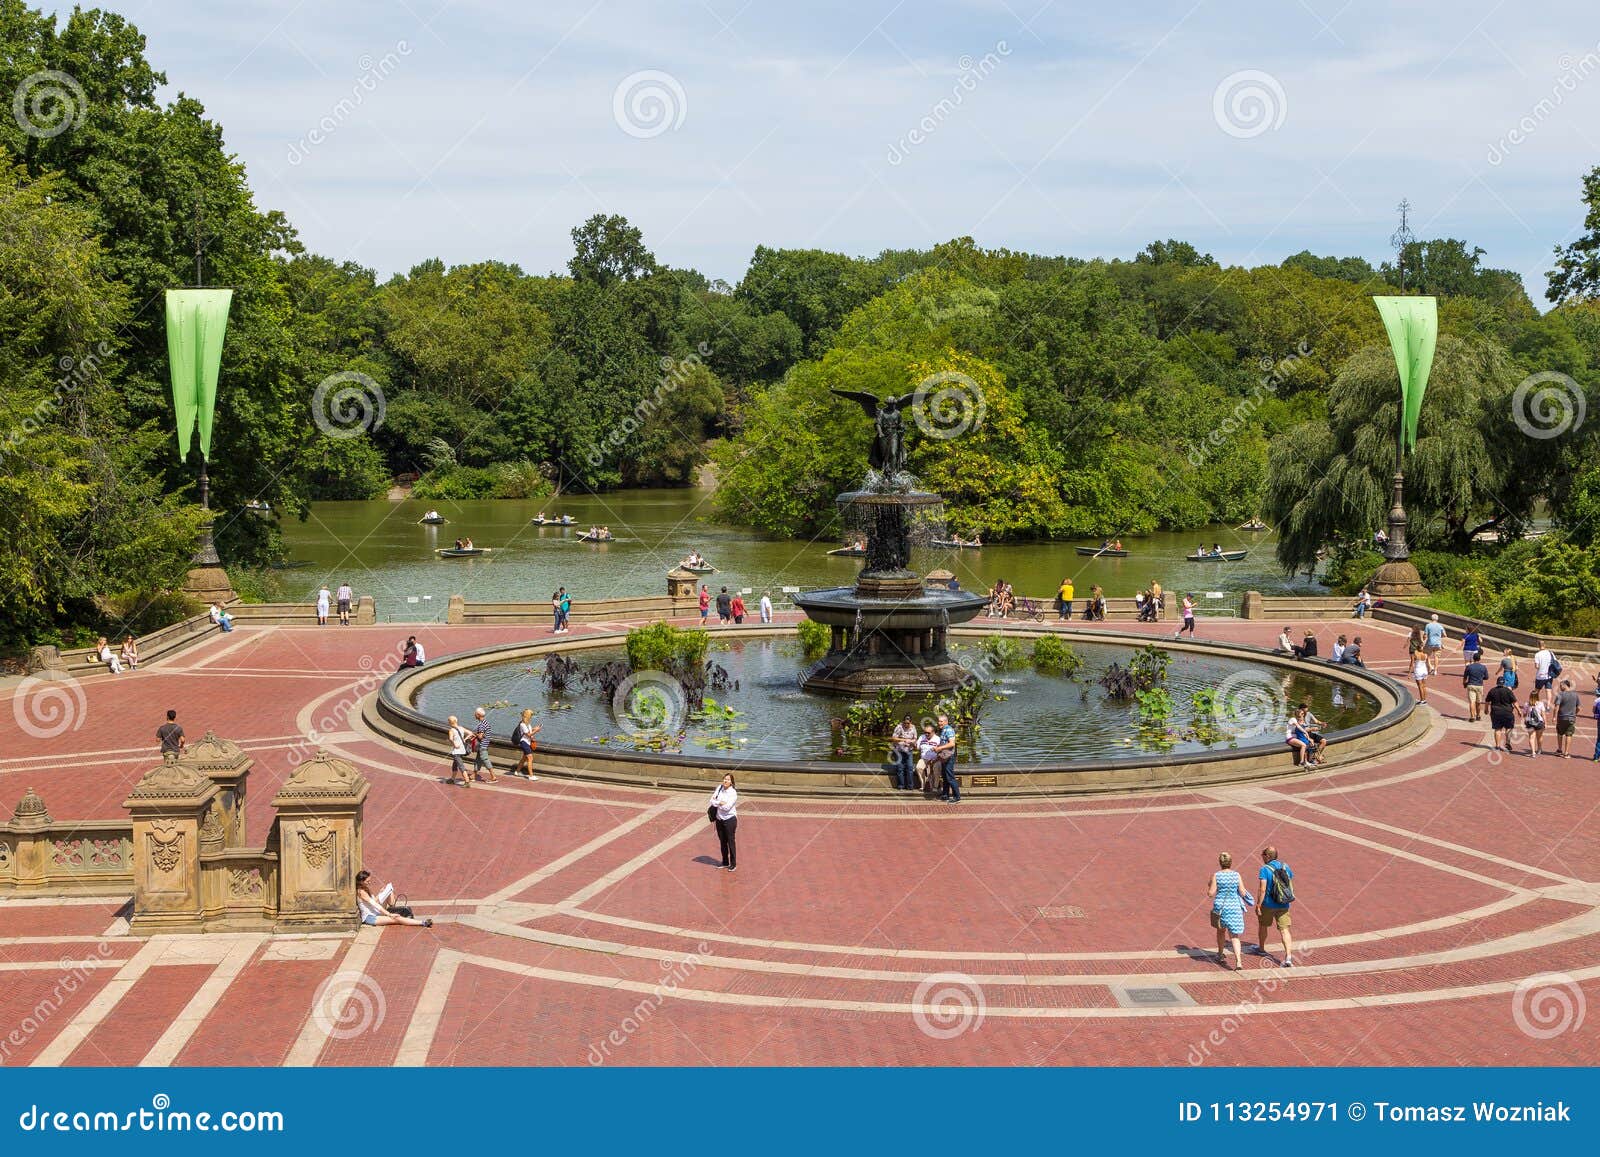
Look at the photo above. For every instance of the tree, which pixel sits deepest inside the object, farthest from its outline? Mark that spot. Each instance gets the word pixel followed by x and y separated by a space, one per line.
pixel 1576 276
pixel 609 250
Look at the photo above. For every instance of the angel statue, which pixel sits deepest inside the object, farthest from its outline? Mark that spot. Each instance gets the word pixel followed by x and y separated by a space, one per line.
pixel 888 454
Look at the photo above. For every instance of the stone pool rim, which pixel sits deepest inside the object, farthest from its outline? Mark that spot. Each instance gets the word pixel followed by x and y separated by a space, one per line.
pixel 1398 723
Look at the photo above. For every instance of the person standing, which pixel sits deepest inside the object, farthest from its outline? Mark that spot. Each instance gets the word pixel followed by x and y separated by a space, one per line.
pixel 1277 894
pixel 1419 673
pixel 522 735
pixel 1533 720
pixel 903 750
pixel 1566 718
pixel 705 603
pixel 345 595
pixel 170 734
pixel 324 601
pixel 928 757
pixel 1433 643
pixel 1473 677
pixel 1545 669
pixel 724 607
pixel 766 606
pixel 737 607
pixel 1159 600
pixel 950 786
pixel 566 611
pixel 1188 618
pixel 457 736
pixel 480 748
pixel 1502 703
pixel 1064 596
pixel 726 801
pixel 1228 902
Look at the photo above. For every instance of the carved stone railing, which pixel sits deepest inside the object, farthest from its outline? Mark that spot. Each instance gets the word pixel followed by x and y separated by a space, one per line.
pixel 40 854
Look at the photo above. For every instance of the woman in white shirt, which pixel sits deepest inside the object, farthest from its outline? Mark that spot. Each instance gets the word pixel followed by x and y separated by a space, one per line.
pixel 726 800
pixel 1419 672
pixel 373 911
pixel 766 608
pixel 458 754
pixel 104 653
pixel 324 601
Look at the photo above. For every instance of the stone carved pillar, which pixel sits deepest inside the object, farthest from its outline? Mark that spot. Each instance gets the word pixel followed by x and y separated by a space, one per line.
pixel 28 838
pixel 222 762
pixel 169 806
pixel 319 844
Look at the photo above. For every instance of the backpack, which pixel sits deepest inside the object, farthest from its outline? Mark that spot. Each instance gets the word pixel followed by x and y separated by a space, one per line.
pixel 1555 666
pixel 1280 888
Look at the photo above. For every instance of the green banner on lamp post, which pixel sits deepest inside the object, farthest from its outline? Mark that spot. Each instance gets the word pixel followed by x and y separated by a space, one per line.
pixel 1413 326
pixel 197 321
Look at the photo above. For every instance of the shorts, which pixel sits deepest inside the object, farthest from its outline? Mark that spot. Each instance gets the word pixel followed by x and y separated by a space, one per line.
pixel 1273 918
pixel 1534 728
pixel 526 745
pixel 1501 722
pixel 1566 726
pixel 1475 694
pixel 369 918
pixel 344 606
pixel 1432 648
pixel 1542 684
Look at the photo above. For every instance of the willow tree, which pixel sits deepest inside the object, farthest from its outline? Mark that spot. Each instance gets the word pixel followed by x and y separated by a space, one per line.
pixel 1472 468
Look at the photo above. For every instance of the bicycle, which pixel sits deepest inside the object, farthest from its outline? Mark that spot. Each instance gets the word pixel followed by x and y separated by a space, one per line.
pixel 1030 609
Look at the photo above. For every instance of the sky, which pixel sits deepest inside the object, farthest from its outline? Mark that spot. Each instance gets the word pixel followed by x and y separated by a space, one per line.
pixel 392 131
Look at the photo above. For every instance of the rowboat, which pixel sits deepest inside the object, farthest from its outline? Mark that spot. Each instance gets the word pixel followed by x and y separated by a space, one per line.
pixel 461 551
pixel 436 520
pixel 1101 552
pixel 1254 524
pixel 565 520
pixel 850 552
pixel 698 568
pixel 587 537
pixel 957 544
pixel 1225 556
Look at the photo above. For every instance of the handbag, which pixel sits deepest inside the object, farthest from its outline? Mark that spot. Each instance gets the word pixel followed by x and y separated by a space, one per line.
pixel 711 813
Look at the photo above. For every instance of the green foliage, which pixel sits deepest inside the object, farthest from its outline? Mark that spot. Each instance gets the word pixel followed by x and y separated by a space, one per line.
pixel 1155 706
pixel 965 704
pixel 448 483
pixel 1149 666
pixel 876 716
pixel 1001 653
pixel 815 639
pixel 663 647
pixel 1053 656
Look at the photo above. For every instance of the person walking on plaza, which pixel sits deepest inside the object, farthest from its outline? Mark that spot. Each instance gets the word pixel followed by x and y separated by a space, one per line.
pixel 903 751
pixel 522 735
pixel 1188 618
pixel 1472 643
pixel 1228 902
pixel 1419 673
pixel 950 787
pixel 1566 718
pixel 1508 668
pixel 480 748
pixel 1064 596
pixel 1545 669
pixel 725 802
pixel 1433 643
pixel 170 734
pixel 324 601
pixel 457 736
pixel 766 606
pixel 1277 894
pixel 1502 703
pixel 1473 677
pixel 705 603
pixel 1533 722
pixel 345 596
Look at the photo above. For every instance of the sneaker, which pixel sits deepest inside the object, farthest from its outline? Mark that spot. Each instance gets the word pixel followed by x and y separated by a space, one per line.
pixel 1288 962
pixel 532 778
pixel 428 923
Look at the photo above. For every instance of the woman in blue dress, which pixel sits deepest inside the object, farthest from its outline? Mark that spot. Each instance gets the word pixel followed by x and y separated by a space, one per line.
pixel 1228 902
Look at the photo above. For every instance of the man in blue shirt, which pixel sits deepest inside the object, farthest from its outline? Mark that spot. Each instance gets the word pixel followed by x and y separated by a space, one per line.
pixel 1473 677
pixel 950 790
pixel 1273 909
pixel 1432 642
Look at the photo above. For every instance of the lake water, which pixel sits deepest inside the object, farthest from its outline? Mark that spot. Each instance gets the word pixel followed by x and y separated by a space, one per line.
pixel 382 551
pixel 1029 717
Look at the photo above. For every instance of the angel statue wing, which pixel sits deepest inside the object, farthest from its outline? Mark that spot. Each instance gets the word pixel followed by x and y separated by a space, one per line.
pixel 869 402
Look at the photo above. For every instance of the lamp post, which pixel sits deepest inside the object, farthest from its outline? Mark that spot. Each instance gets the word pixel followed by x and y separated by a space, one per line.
pixel 1413 327
pixel 197 322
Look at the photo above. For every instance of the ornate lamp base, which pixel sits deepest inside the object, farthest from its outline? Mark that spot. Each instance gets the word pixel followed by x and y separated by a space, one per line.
pixel 1397 579
pixel 209 584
